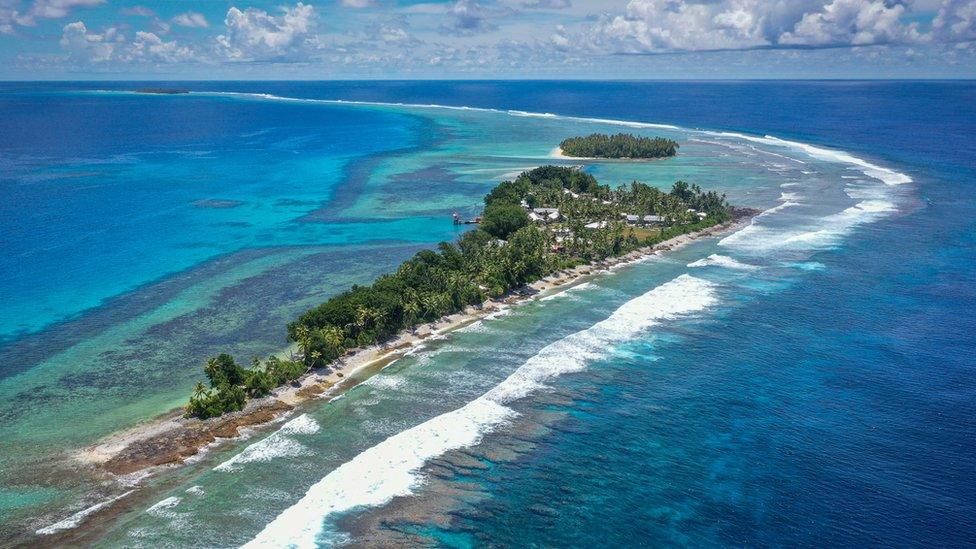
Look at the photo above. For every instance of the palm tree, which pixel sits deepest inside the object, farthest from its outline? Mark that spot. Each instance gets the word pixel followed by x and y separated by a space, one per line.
pixel 333 337
pixel 364 316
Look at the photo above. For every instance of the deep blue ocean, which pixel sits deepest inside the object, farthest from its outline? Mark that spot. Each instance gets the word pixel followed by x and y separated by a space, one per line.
pixel 824 396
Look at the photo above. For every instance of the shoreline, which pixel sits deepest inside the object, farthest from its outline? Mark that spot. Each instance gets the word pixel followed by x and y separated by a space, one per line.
pixel 169 439
pixel 558 154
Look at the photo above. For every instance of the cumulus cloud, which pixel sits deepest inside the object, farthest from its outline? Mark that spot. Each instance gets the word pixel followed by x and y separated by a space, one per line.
pixel 393 34
pixel 149 47
pixel 8 13
pixel 560 39
pixel 956 21
pixel 852 22
pixel 468 17
pixel 651 26
pixel 254 34
pixel 48 9
pixel 87 46
pixel 667 25
pixel 11 16
pixel 191 19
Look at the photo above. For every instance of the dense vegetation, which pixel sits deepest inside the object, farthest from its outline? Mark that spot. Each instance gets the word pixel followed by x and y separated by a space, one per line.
pixel 622 145
pixel 507 251
pixel 230 384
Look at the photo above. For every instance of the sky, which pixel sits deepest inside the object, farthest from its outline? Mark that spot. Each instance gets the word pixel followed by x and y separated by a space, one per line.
pixel 473 39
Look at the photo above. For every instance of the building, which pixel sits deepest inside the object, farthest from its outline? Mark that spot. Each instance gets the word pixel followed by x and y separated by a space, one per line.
pixel 544 214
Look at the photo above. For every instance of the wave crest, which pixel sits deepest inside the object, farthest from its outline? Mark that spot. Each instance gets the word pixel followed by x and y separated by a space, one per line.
pixel 391 468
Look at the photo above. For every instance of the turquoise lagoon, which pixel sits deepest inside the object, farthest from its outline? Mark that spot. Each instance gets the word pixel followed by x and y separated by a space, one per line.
pixel 229 213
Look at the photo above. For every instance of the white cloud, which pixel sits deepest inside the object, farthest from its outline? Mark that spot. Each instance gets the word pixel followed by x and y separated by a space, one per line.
pixel 140 11
pixel 651 26
pixel 8 12
pixel 393 34
pixel 358 3
pixel 191 19
pixel 254 34
pixel 85 45
pixel 468 16
pixel 149 47
pixel 956 21
pixel 852 22
pixel 668 25
pixel 559 38
pixel 52 9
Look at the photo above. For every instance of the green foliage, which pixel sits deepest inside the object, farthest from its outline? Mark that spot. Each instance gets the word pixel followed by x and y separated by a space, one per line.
pixel 621 145
pixel 222 370
pixel 231 385
pixel 503 219
pixel 504 253
pixel 216 401
pixel 511 192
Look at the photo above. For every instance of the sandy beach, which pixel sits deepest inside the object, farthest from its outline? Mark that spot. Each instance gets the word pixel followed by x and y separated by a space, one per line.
pixel 557 153
pixel 169 439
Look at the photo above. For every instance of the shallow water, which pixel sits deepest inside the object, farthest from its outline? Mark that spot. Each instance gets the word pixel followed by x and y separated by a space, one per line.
pixel 755 396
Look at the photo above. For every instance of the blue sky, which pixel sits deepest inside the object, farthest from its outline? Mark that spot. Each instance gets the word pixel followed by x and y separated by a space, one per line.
pixel 621 39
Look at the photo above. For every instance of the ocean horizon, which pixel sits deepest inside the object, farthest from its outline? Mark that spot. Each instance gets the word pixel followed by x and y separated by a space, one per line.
pixel 805 379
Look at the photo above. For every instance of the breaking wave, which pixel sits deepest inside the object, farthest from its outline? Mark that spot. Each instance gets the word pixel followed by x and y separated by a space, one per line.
pixel 723 261
pixel 277 445
pixel 889 176
pixel 392 467
pixel 77 518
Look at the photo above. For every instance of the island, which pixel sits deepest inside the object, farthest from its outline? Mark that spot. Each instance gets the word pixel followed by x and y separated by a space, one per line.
pixel 542 232
pixel 621 145
pixel 546 220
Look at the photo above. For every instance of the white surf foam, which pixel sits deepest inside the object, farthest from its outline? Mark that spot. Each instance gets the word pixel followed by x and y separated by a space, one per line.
pixel 301 425
pixel 380 473
pixel 77 518
pixel 167 503
pixel 723 261
pixel 821 233
pixel 807 266
pixel 386 381
pixel 568 292
pixel 271 448
pixel 521 114
pixel 888 176
pixel 275 446
pixel 774 209
pixel 392 467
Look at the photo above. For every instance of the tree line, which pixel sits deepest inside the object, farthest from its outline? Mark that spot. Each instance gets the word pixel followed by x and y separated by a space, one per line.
pixel 621 145
pixel 505 252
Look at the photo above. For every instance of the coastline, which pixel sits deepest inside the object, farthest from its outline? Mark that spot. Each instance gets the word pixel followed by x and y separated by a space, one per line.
pixel 558 154
pixel 169 439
